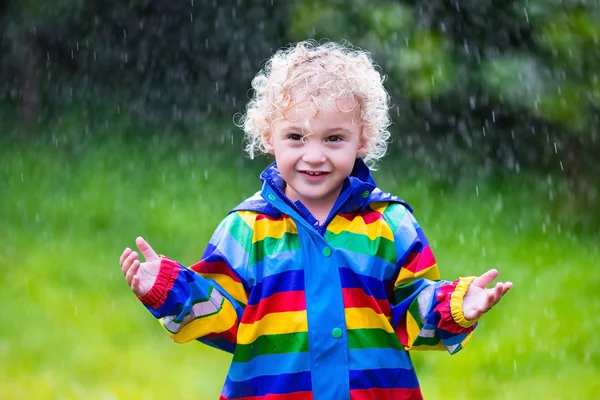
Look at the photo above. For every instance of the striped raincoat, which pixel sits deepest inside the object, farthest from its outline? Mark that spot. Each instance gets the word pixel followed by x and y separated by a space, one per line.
pixel 315 311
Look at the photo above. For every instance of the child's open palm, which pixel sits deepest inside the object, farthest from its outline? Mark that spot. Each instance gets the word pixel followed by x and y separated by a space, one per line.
pixel 140 276
pixel 478 299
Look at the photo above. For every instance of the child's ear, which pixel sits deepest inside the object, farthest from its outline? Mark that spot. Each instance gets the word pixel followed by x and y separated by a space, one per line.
pixel 266 141
pixel 362 149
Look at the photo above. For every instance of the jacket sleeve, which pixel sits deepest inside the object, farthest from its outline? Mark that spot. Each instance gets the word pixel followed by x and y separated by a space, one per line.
pixel 426 311
pixel 205 302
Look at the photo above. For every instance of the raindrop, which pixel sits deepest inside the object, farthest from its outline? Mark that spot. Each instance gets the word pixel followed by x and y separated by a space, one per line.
pixel 526 14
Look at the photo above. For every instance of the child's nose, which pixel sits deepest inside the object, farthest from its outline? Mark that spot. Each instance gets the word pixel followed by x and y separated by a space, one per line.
pixel 313 154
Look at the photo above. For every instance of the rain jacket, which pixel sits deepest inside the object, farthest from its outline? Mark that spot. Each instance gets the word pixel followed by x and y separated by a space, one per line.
pixel 315 311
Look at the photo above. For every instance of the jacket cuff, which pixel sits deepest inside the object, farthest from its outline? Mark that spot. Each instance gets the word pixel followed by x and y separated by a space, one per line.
pixel 456 303
pixel 167 274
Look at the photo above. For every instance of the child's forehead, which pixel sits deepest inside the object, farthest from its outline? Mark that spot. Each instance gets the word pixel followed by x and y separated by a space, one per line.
pixel 307 105
pixel 324 112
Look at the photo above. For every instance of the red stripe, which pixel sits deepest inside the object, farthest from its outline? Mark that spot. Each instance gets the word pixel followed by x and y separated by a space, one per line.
pixel 270 218
pixel 369 216
pixel 357 298
pixel 401 332
pixel 215 267
pixel 287 396
pixel 279 302
pixel 386 394
pixel 230 334
pixel 447 322
pixel 419 261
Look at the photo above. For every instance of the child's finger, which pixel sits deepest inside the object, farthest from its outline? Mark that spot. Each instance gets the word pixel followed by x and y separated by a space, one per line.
pixel 132 271
pixel 136 287
pixel 124 256
pixel 147 251
pixel 485 279
pixel 128 261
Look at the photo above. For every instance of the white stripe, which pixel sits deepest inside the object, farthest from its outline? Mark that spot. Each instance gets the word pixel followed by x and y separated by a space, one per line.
pixel 210 306
pixel 424 301
pixel 427 333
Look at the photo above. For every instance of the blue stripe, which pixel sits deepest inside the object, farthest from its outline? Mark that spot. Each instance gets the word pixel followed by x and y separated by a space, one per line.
pixel 218 343
pixel 451 339
pixel 374 358
pixel 371 286
pixel 284 282
pixel 369 265
pixel 270 364
pixel 383 378
pixel 235 254
pixel 264 385
pixel 273 265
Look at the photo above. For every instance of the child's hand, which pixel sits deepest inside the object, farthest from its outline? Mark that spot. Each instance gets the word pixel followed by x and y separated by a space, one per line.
pixel 479 300
pixel 140 276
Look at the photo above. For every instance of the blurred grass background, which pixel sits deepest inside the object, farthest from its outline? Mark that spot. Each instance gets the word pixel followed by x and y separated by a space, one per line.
pixel 71 202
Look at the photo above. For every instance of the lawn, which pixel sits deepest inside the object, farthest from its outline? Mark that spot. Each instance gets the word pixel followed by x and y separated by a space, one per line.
pixel 70 203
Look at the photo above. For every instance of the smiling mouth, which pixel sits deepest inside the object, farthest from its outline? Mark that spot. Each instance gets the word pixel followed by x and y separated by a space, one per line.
pixel 312 173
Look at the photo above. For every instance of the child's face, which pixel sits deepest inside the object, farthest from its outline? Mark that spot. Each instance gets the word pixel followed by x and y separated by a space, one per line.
pixel 316 151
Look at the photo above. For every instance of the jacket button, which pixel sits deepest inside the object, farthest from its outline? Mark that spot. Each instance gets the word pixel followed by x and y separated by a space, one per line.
pixel 365 194
pixel 326 251
pixel 336 333
pixel 271 197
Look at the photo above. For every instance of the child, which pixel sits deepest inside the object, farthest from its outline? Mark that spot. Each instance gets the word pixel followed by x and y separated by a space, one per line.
pixel 320 283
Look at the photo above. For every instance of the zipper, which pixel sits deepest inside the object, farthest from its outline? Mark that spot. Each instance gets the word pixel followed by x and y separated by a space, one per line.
pixel 287 201
pixel 304 216
pixel 333 213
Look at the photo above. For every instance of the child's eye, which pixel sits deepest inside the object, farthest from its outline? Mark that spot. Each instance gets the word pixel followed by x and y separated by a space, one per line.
pixel 294 136
pixel 334 138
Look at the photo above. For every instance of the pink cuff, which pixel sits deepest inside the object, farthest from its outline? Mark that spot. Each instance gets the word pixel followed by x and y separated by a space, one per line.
pixel 167 274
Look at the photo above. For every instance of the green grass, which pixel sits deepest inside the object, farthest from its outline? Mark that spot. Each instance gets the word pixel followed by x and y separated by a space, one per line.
pixel 70 203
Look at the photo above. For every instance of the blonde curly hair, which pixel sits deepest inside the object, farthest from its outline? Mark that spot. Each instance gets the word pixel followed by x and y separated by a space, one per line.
pixel 318 70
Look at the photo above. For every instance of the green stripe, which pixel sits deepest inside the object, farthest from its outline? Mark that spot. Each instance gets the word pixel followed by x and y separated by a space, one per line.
pixel 394 214
pixel 235 225
pixel 413 309
pixel 426 341
pixel 272 344
pixel 403 292
pixel 270 246
pixel 372 338
pixel 362 244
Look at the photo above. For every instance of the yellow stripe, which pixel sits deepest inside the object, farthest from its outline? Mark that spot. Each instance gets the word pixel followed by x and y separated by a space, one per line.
pixel 360 318
pixel 358 226
pixel 216 323
pixel 248 216
pixel 406 276
pixel 235 289
pixel 273 324
pixel 274 229
pixel 412 329
pixel 379 206
pixel 467 339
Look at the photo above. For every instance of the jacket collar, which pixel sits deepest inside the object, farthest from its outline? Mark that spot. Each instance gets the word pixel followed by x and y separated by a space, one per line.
pixel 358 191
